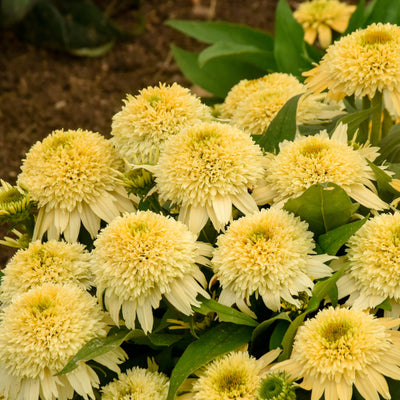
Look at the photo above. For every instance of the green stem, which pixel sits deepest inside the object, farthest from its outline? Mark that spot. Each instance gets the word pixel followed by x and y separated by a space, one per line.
pixel 375 134
pixel 363 133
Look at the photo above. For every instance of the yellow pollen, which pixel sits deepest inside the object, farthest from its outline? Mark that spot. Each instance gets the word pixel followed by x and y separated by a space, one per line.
pixel 312 149
pixel 335 331
pixel 138 227
pixel 259 234
pixel 376 37
pixel 233 381
pixel 154 99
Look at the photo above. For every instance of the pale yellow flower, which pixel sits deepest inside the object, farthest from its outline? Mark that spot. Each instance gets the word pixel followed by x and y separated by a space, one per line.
pixel 341 347
pixel 141 257
pixel 50 262
pixel 206 169
pixel 360 64
pixel 40 331
pixel 236 375
pixel 269 254
pixel 374 272
pixel 71 174
pixel 320 17
pixel 147 120
pixel 318 159
pixel 252 105
pixel 137 384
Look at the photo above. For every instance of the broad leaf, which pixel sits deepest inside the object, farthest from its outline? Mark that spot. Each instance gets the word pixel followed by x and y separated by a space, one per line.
pixel 331 241
pixel 212 32
pixel 390 146
pixel 325 206
pixel 225 314
pixel 12 11
pixel 289 48
pixel 261 328
pixel 219 340
pixel 282 127
pixel 98 346
pixel 218 75
pixel 385 11
pixel 354 120
pixel 383 178
pixel 357 19
pixel 247 53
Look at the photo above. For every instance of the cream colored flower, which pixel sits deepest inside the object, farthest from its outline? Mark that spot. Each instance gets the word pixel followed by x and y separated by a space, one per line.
pixel 137 384
pixel 50 262
pixel 252 105
pixel 205 170
pixel 269 254
pixel 71 174
pixel 141 257
pixel 320 17
pixel 147 120
pixel 343 347
pixel 40 331
pixel 236 375
pixel 360 64
pixel 374 272
pixel 319 159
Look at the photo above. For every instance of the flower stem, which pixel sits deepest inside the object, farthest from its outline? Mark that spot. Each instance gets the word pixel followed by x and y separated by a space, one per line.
pixel 375 135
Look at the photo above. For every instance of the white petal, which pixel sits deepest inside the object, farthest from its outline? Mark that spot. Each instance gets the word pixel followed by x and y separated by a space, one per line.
pixel 222 206
pixel 365 197
pixel 197 218
pixel 71 232
pixel 245 203
pixel 145 316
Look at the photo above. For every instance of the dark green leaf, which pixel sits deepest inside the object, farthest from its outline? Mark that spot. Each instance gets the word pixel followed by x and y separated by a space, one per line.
pixel 277 334
pixel 325 206
pixel 289 48
pixel 225 314
pixel 385 305
pixel 219 340
pixel 218 75
pixel 394 388
pixel 212 32
pixel 357 19
pixel 98 346
pixel 282 127
pixel 382 178
pixel 329 126
pixel 390 146
pixel 12 11
pixel 164 339
pixel 261 328
pixel 247 53
pixel 384 11
pixel 331 241
pixel 354 120
pixel 1 276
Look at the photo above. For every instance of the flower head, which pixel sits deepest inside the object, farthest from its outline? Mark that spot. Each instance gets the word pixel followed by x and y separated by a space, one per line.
pixel 252 105
pixel 153 116
pixel 141 257
pixel 318 159
pixel 374 272
pixel 50 262
pixel 40 331
pixel 271 254
pixel 343 347
pixel 15 204
pixel 137 384
pixel 319 17
pixel 236 375
pixel 207 168
pixel 360 64
pixel 71 174
pixel 276 386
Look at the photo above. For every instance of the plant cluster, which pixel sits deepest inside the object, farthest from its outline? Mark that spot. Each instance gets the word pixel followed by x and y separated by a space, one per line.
pixel 245 249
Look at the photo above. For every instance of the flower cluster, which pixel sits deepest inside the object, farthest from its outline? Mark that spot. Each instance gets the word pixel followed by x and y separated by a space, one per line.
pixel 245 252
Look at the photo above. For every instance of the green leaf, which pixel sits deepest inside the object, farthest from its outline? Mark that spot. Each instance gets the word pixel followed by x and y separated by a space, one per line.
pixel 225 314
pixel 212 32
pixel 282 127
pixel 320 291
pixel 218 75
pixel 382 178
pixel 219 340
pixel 394 387
pixel 98 346
pixel 385 11
pixel 12 11
pixel 390 146
pixel 314 129
pixel 261 328
pixel 385 305
pixel 354 120
pixel 289 49
pixel 247 53
pixel 331 241
pixel 357 19
pixel 277 334
pixel 325 206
